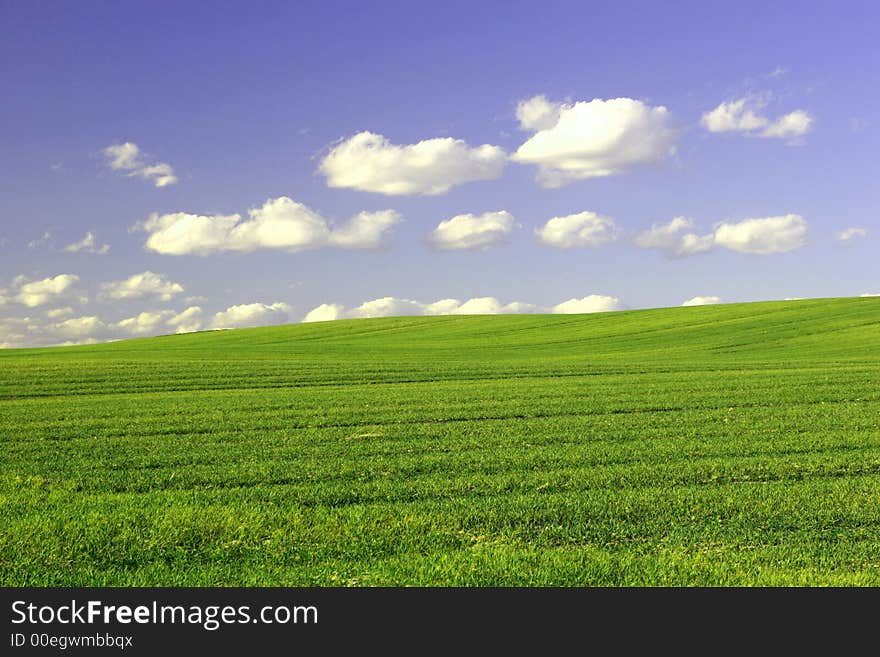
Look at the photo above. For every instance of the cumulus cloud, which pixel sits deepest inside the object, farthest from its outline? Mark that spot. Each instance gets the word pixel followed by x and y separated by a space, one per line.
pixel 386 307
pixel 145 284
pixel 324 313
pixel 187 321
pixel 469 231
pixel 673 240
pixel 280 223
pixel 585 229
pixel 252 314
pixel 391 306
pixel 370 162
pixel 763 236
pixel 78 328
pixel 145 323
pixel 594 303
pixel 537 113
pixel 365 230
pixel 870 294
pixel 88 245
pixel 701 301
pixel 39 293
pixel 849 234
pixel 592 139
pixel 744 115
pixel 127 158
pixel 29 331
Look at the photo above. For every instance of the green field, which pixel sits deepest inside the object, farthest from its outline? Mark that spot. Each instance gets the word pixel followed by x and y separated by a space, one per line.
pixel 717 445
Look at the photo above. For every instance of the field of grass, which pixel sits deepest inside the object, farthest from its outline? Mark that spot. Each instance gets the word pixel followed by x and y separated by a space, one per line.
pixel 715 445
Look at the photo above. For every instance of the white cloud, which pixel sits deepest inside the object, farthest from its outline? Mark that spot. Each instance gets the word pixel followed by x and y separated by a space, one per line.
pixel 592 139
pixel 391 306
pixel 252 314
pixel 127 157
pixel 520 308
pixel 324 313
pixel 187 321
pixel 470 231
pixel 673 241
pixel 144 323
pixel 280 223
pixel 744 115
pixel 701 301
pixel 736 116
pixel 585 229
pixel 850 234
pixel 386 307
pixel 870 294
pixel 180 233
pixel 58 313
pixel 594 303
pixel 145 284
pixel 371 163
pixel 87 245
pixel 793 124
pixel 537 113
pixel 763 236
pixel 365 230
pixel 37 243
pixel 39 293
pixel 441 307
pixel 79 327
pixel 479 306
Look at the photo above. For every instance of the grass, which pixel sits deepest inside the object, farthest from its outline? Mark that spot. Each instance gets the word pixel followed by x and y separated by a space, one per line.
pixel 717 445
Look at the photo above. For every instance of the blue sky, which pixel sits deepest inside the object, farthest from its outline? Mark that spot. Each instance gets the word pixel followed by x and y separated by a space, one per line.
pixel 752 128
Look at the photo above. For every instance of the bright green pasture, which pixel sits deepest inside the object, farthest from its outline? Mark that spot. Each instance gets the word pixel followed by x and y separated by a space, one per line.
pixel 717 445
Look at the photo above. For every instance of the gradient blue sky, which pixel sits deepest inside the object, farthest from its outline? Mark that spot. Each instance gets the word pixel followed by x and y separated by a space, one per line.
pixel 244 100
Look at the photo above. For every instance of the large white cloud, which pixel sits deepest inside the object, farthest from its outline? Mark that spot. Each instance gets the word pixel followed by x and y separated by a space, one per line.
pixel 470 231
pixel 88 245
pixel 252 314
pixel 763 236
pixel 144 284
pixel 39 293
pixel 585 229
pixel 180 233
pixel 592 139
pixel 371 163
pixel 594 303
pixel 744 115
pixel 673 240
pixel 280 223
pixel 127 157
pixel 702 301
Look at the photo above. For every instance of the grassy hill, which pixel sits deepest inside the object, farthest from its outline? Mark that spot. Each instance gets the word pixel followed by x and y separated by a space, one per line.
pixel 735 444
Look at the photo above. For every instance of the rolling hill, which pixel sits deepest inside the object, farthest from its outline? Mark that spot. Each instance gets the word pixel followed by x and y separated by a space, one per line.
pixel 732 444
